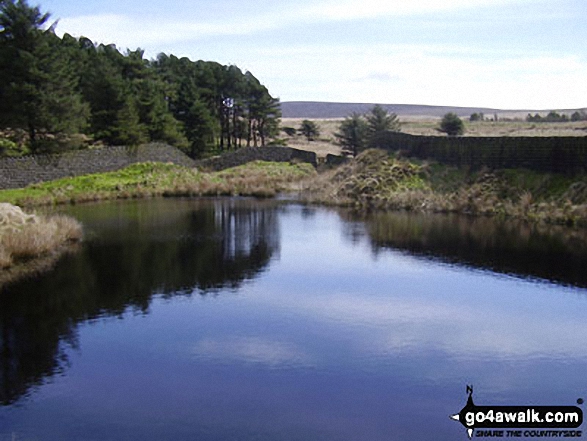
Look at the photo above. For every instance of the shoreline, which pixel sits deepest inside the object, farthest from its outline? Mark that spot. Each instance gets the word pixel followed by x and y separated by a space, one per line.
pixel 31 243
pixel 375 180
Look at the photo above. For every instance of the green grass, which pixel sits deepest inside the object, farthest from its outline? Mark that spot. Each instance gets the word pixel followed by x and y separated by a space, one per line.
pixel 373 180
pixel 156 179
pixel 377 180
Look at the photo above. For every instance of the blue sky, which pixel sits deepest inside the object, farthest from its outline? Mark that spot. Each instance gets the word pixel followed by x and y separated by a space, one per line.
pixel 509 54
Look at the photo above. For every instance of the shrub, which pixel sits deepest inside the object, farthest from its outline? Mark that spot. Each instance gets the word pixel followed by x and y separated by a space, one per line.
pixel 452 125
pixel 289 131
pixel 309 129
pixel 24 236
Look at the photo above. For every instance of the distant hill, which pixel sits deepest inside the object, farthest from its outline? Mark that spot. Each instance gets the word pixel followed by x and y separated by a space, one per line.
pixel 315 109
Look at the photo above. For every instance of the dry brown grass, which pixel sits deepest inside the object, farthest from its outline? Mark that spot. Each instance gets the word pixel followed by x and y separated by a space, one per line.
pixel 428 126
pixel 375 180
pixel 24 237
pixel 417 125
pixel 326 142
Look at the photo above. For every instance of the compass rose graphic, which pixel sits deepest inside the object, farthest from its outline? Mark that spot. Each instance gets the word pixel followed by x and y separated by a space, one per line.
pixel 470 406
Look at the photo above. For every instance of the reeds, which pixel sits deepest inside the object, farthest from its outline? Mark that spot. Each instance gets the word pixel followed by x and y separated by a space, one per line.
pixel 374 180
pixel 24 236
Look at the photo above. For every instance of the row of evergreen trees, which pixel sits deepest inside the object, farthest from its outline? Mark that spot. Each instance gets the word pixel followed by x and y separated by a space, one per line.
pixel 557 117
pixel 358 132
pixel 52 88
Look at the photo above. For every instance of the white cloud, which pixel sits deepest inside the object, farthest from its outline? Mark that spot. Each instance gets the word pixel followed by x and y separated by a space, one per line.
pixel 353 9
pixel 395 324
pixel 364 72
pixel 134 32
pixel 425 74
pixel 252 350
pixel 137 31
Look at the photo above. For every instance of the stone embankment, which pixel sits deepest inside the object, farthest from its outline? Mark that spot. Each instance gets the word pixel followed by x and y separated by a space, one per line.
pixel 22 171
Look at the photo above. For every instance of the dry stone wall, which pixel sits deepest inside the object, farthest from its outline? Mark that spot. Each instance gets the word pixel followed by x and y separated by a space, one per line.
pixel 22 171
pixel 546 154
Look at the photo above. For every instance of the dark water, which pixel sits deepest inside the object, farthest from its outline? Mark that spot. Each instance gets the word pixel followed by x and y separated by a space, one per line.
pixel 248 320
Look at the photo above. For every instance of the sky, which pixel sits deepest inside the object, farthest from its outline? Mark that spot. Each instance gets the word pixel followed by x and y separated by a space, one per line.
pixel 506 54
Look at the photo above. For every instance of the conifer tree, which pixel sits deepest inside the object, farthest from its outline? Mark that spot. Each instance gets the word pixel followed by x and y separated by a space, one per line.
pixel 352 134
pixel 379 122
pixel 128 129
pixel 39 91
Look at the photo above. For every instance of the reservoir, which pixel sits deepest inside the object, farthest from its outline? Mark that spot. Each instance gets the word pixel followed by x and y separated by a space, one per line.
pixel 243 319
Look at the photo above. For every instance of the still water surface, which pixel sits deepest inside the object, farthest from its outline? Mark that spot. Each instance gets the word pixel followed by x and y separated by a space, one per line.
pixel 237 319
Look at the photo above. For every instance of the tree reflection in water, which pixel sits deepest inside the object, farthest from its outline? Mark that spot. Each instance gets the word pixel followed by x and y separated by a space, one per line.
pixel 553 253
pixel 133 251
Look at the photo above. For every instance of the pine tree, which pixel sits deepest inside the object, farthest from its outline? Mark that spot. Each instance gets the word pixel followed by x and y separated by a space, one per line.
pixel 379 122
pixel 452 125
pixel 128 129
pixel 309 129
pixel 39 90
pixel 352 134
pixel 200 128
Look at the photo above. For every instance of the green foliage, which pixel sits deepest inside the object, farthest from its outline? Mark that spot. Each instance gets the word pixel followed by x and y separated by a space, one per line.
pixel 289 131
pixel 200 128
pixel 128 129
pixel 38 84
pixel 556 117
pixel 54 87
pixel 217 103
pixel 477 117
pixel 352 134
pixel 8 147
pixel 257 178
pixel 379 120
pixel 309 129
pixel 379 123
pixel 452 125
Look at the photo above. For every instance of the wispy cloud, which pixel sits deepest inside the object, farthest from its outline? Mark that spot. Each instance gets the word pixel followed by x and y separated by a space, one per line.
pixel 428 74
pixel 390 325
pixel 265 39
pixel 252 350
pixel 134 32
pixel 353 9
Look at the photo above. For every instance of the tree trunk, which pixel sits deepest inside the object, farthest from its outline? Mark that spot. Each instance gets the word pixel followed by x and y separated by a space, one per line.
pixel 262 132
pixel 255 134
pixel 249 132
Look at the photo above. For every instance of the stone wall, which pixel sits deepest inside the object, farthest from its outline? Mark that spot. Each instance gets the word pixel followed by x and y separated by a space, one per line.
pixel 22 171
pixel 546 154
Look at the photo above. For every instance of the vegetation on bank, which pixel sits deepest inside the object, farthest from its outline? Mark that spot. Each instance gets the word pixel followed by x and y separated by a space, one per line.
pixel 377 180
pixel 150 179
pixel 358 132
pixel 27 236
pixel 557 117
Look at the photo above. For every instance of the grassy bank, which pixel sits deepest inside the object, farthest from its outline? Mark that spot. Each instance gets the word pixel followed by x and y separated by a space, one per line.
pixel 156 179
pixel 31 244
pixel 376 180
pixel 27 236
